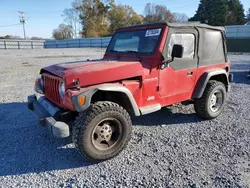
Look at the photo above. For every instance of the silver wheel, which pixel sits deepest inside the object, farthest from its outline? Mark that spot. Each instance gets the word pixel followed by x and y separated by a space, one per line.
pixel 106 133
pixel 212 102
pixel 216 101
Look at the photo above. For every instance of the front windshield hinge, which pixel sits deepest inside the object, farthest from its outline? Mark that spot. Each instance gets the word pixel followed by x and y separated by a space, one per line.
pixel 165 63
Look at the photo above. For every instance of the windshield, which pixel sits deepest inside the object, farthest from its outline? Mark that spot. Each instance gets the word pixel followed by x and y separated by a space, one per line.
pixel 141 42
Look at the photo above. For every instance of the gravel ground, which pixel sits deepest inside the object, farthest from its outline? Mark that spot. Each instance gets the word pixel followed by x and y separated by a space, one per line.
pixel 170 148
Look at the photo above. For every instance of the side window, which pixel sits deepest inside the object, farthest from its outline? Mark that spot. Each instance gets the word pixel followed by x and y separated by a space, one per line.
pixel 213 48
pixel 186 40
pixel 123 45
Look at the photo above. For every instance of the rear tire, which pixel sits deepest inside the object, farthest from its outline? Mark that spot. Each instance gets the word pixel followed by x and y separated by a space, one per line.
pixel 102 132
pixel 212 102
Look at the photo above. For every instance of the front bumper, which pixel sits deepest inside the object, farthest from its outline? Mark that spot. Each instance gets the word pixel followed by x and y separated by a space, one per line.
pixel 47 114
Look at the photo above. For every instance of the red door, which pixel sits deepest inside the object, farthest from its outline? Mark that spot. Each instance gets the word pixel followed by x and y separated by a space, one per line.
pixel 178 79
pixel 174 82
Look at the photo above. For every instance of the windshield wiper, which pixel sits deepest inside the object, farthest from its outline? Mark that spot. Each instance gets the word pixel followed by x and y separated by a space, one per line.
pixel 113 51
pixel 135 53
pixel 128 51
pixel 131 51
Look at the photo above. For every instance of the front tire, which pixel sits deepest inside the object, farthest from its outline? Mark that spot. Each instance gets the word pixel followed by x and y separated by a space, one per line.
pixel 103 131
pixel 212 102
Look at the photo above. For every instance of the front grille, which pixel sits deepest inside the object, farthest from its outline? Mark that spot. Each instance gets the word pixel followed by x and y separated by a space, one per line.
pixel 51 87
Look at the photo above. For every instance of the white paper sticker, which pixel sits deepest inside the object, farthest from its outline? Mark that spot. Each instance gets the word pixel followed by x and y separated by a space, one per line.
pixel 153 32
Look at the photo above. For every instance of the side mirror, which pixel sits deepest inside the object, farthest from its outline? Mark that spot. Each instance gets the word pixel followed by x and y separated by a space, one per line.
pixel 177 51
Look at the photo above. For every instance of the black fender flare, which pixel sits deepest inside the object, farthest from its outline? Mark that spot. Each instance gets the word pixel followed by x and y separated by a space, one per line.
pixel 104 87
pixel 202 82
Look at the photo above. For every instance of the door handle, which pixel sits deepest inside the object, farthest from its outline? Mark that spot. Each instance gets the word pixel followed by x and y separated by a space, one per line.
pixel 190 73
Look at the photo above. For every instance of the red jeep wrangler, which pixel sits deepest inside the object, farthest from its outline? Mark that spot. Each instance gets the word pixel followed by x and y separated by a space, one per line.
pixel 145 68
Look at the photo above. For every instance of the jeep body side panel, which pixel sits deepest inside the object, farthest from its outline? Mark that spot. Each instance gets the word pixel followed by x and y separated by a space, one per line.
pixel 177 80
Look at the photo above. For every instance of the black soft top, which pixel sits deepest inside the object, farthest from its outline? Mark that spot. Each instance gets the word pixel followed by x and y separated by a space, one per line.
pixel 177 25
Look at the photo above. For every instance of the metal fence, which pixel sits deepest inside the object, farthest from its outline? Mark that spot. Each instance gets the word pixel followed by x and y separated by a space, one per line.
pixel 238 31
pixel 238 38
pixel 78 43
pixel 21 44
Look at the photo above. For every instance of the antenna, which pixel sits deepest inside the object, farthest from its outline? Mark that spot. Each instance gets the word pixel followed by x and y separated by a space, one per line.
pixel 22 21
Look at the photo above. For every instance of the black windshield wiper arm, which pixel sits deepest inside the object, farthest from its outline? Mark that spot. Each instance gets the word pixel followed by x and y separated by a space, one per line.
pixel 134 52
pixel 114 51
pixel 131 51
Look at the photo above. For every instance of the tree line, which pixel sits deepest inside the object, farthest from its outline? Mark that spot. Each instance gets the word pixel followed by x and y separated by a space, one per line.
pixel 19 38
pixel 100 18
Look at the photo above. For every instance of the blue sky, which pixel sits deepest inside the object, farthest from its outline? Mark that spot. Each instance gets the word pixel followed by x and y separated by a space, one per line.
pixel 46 15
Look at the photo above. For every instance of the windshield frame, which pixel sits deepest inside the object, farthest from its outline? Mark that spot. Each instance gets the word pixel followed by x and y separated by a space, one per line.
pixel 135 53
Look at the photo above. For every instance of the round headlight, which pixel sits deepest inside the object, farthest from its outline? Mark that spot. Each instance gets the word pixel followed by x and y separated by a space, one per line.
pixel 62 89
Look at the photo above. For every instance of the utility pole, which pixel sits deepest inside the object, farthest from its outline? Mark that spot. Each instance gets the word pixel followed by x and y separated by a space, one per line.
pixel 22 21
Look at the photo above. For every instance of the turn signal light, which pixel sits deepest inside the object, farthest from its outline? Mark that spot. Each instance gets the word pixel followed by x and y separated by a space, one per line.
pixel 81 100
pixel 38 86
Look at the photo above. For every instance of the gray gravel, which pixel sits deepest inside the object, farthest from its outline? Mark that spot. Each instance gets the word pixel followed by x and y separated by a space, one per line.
pixel 170 148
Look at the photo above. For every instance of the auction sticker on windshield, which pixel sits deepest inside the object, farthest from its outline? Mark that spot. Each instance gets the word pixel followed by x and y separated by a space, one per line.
pixel 153 32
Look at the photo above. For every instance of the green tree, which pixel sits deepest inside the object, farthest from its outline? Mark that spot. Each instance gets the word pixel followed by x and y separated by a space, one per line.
pixel 219 12
pixel 212 12
pixel 157 13
pixel 236 14
pixel 122 16
pixel 93 15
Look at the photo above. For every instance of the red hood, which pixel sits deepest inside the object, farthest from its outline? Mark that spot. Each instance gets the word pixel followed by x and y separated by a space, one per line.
pixel 95 72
